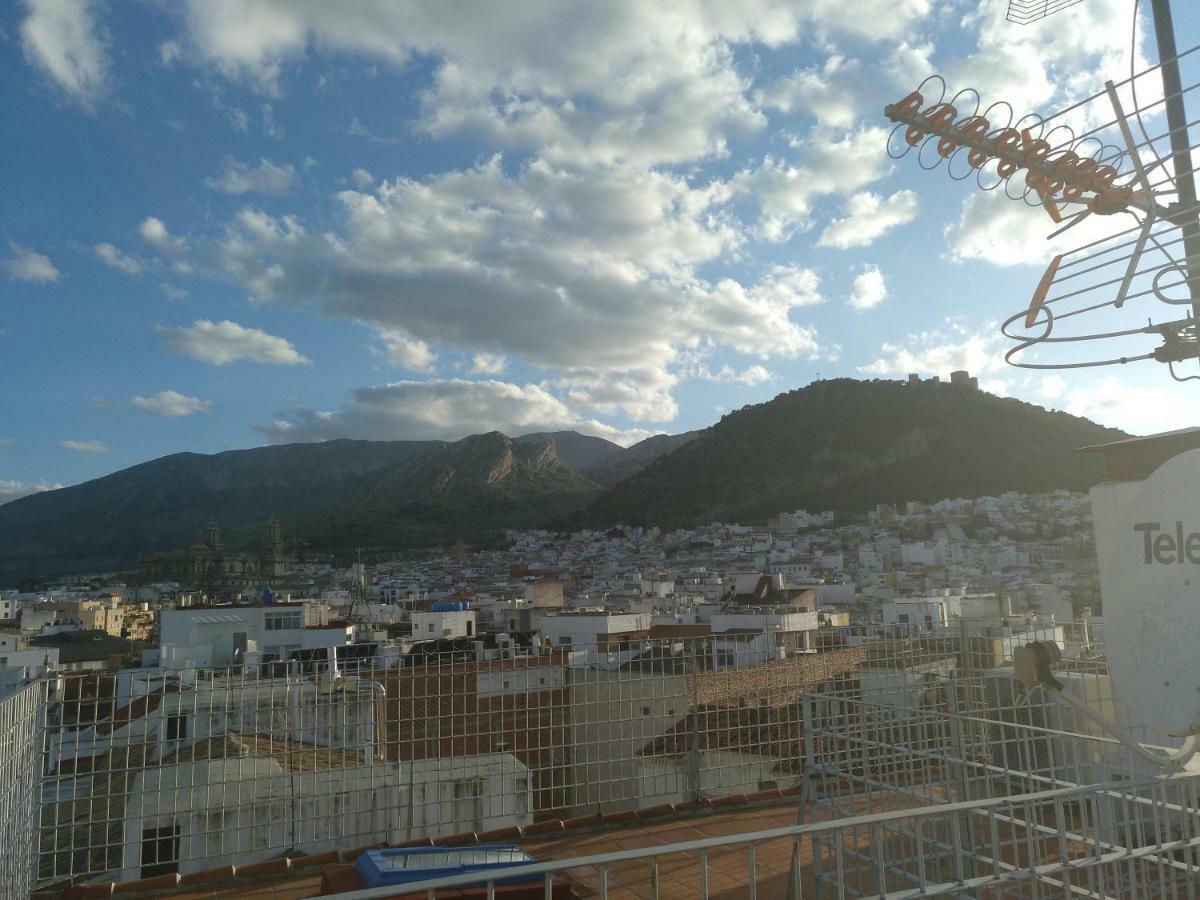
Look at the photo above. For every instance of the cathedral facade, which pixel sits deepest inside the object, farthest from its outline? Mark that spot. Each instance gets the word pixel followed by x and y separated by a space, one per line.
pixel 207 564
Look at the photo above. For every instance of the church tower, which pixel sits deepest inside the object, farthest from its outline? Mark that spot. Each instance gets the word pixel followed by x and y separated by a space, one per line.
pixel 274 559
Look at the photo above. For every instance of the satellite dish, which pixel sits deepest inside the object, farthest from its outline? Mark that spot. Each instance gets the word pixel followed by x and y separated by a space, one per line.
pixel 1152 623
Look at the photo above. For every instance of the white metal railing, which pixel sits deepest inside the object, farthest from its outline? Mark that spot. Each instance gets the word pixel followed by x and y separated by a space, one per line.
pixel 22 717
pixel 150 771
pixel 1078 865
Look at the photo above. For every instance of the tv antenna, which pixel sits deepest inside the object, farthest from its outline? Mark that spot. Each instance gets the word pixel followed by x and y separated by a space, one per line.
pixel 1084 164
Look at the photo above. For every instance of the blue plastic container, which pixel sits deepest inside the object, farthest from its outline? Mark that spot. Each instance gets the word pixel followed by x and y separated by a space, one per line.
pixel 382 868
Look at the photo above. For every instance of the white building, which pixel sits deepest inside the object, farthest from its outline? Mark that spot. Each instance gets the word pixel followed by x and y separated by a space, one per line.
pixel 19 667
pixel 233 635
pixel 604 639
pixel 440 623
pixel 251 803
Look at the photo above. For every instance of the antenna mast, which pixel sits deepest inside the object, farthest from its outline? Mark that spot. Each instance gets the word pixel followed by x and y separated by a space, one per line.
pixel 1152 254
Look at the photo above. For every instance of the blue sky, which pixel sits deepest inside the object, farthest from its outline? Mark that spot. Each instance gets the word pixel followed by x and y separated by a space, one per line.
pixel 227 224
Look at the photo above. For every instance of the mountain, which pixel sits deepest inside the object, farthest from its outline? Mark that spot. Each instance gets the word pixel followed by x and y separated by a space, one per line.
pixel 471 490
pixel 575 451
pixel 846 445
pixel 842 444
pixel 625 462
pixel 162 504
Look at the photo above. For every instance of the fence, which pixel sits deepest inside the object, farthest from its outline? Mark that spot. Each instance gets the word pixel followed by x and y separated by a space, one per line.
pixel 157 771
pixel 22 716
pixel 891 731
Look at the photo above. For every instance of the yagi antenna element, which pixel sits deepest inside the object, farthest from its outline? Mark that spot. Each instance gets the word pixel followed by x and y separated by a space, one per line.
pixel 1141 267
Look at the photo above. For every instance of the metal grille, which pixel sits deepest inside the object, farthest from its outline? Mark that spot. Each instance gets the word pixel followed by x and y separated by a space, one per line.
pixel 22 715
pixel 158 771
pixel 922 764
pixel 1025 12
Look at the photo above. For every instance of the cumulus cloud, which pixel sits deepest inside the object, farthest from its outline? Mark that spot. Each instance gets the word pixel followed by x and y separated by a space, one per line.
pixel 114 258
pixel 241 178
pixel 26 265
pixel 403 350
pixel 643 393
pixel 749 376
pixel 488 364
pixel 224 342
pixel 62 38
pixel 155 233
pixel 1053 386
pixel 15 490
pixel 172 403
pixel 599 266
pixel 1139 408
pixel 867 217
pixel 869 289
pixel 1004 232
pixel 84 446
pixel 411 410
pixel 940 352
pixel 615 83
pixel 830 163
pixel 361 179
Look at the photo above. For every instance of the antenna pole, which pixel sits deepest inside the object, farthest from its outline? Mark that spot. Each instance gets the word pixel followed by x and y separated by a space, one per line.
pixel 1181 156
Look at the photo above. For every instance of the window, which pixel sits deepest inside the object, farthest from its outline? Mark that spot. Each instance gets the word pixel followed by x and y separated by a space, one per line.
pixel 470 627
pixel 283 620
pixel 177 728
pixel 160 851
pixel 431 627
pixel 903 617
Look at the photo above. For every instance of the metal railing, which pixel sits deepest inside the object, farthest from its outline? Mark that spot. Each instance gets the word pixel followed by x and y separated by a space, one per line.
pixel 22 718
pixel 1025 845
pixel 149 771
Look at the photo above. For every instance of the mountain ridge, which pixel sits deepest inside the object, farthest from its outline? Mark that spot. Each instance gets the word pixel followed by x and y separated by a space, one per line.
pixel 845 445
pixel 838 444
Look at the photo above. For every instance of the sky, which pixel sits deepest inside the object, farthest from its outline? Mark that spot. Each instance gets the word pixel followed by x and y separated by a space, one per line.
pixel 228 224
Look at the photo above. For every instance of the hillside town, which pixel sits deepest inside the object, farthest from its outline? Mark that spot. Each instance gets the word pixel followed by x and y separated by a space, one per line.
pixel 1017 557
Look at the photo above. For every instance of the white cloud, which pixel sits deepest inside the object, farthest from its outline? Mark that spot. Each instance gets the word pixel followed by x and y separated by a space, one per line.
pixel 618 82
pixel 599 266
pixel 1137 408
pixel 155 233
pixel 84 446
pixel 1005 232
pixel 15 490
pixel 172 403
pixel 26 265
pixel 749 376
pixel 61 38
pixel 869 289
pixel 240 178
pixel 830 163
pixel 224 342
pixel 488 364
pixel 1053 386
pixel 940 352
pixel 172 292
pixel 412 410
pixel 122 262
pixel 867 216
pixel 362 180
pixel 643 394
pixel 403 350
